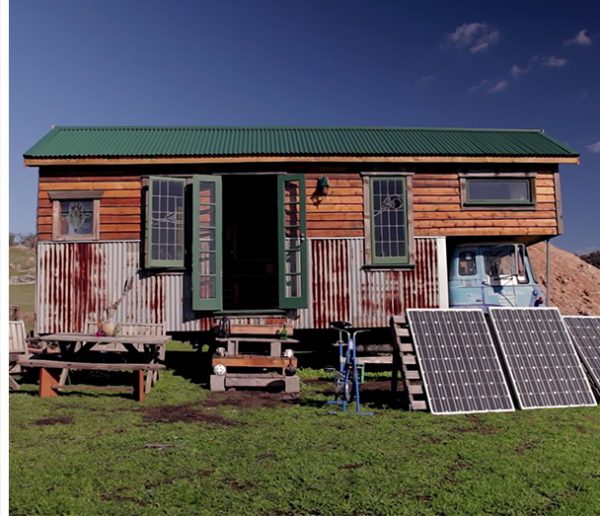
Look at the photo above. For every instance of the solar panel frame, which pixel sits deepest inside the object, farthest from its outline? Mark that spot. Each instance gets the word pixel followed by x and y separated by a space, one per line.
pixel 590 361
pixel 515 384
pixel 504 389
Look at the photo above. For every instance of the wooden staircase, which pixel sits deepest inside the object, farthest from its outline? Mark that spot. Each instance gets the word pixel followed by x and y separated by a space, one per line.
pixel 406 359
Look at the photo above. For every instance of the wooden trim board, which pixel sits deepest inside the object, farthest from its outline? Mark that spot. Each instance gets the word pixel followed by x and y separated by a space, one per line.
pixel 39 162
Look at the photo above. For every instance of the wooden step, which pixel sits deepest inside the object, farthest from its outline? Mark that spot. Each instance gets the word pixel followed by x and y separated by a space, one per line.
pixel 257 344
pixel 415 389
pixel 399 320
pixel 402 332
pixel 255 361
pixel 386 359
pixel 408 359
pixel 258 329
pixel 412 375
pixel 407 348
pixel 418 405
pixel 246 338
pixel 374 348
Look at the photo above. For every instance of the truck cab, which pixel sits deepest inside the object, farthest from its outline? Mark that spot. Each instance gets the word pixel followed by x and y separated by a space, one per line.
pixel 492 274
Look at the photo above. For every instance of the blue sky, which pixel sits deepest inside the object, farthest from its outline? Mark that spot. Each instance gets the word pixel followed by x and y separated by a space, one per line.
pixel 389 63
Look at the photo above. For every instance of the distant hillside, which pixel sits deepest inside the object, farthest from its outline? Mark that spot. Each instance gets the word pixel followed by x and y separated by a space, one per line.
pixel 21 264
pixel 22 275
pixel 592 258
pixel 575 284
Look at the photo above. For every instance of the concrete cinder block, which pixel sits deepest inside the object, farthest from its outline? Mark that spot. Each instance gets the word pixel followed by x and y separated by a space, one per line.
pixel 292 384
pixel 217 383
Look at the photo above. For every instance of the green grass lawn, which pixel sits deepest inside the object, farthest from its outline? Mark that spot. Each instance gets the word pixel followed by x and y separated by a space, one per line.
pixel 188 451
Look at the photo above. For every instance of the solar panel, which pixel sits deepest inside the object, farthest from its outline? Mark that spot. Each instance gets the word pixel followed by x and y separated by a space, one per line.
pixel 540 358
pixel 459 364
pixel 585 334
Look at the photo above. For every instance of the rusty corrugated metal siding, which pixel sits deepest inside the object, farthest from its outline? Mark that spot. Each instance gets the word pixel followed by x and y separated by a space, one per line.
pixel 77 281
pixel 342 289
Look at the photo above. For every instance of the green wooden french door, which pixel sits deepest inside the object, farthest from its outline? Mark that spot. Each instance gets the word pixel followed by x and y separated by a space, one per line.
pixel 207 250
pixel 207 254
pixel 292 241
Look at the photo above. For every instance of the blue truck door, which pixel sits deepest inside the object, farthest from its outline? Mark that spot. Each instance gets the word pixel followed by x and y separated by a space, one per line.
pixel 465 286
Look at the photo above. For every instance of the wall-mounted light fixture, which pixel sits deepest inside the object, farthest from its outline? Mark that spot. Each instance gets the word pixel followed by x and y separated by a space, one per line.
pixel 323 186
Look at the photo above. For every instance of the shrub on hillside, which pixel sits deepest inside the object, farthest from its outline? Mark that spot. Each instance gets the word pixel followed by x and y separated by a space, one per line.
pixel 592 258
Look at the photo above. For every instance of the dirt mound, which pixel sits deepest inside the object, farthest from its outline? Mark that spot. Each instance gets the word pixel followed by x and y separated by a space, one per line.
pixel 574 284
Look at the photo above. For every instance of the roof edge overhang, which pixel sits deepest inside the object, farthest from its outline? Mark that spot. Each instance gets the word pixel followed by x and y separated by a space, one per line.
pixel 170 160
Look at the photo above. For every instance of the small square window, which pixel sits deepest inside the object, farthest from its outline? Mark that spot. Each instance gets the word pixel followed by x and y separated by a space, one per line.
pixel 75 215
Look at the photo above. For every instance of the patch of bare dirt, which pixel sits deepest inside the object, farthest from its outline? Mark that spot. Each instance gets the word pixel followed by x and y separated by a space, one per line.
pixel 574 284
pixel 188 413
pixel 525 446
pixel 477 426
pixel 459 464
pixel 116 497
pixel 250 399
pixel 351 466
pixel 375 385
pixel 241 487
pixel 59 420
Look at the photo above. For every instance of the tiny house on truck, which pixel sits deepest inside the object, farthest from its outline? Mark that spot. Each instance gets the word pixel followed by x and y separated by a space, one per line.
pixel 279 225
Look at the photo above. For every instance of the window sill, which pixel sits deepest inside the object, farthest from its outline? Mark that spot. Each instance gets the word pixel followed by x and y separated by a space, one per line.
pixel 164 268
pixel 387 266
pixel 76 239
pixel 498 206
pixel 267 311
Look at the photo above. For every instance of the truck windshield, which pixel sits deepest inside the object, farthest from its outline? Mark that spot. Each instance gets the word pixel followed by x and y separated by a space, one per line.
pixel 500 261
pixel 506 260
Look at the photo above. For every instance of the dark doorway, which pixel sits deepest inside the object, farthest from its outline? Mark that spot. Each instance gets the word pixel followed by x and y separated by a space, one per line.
pixel 250 261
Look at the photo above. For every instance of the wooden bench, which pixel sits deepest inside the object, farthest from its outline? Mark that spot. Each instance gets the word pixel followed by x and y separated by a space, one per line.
pixel 129 330
pixel 143 354
pixel 50 373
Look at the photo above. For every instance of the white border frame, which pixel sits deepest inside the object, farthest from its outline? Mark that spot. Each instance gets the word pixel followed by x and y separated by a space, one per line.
pixel 490 342
pixel 4 256
pixel 516 390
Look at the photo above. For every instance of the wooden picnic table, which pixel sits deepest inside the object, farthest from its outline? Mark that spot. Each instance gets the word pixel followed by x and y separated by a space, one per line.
pixel 141 354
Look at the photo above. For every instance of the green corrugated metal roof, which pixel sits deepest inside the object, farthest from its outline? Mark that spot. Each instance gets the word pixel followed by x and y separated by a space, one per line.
pixel 148 142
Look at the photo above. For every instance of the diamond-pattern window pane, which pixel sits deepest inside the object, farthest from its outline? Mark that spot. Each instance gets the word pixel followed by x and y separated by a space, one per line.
pixel 388 218
pixel 167 221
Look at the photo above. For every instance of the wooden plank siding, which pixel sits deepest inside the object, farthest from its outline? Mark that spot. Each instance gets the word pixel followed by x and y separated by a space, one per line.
pixel 120 204
pixel 338 214
pixel 437 208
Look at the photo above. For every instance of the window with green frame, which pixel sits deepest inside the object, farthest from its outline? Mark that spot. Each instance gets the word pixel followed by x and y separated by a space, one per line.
pixel 165 213
pixel 508 191
pixel 390 243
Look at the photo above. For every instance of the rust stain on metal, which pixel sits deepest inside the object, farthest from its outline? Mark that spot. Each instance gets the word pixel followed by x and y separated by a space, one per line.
pixel 78 280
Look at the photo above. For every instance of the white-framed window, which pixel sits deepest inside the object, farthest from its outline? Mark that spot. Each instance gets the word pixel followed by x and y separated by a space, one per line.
pixel 75 214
